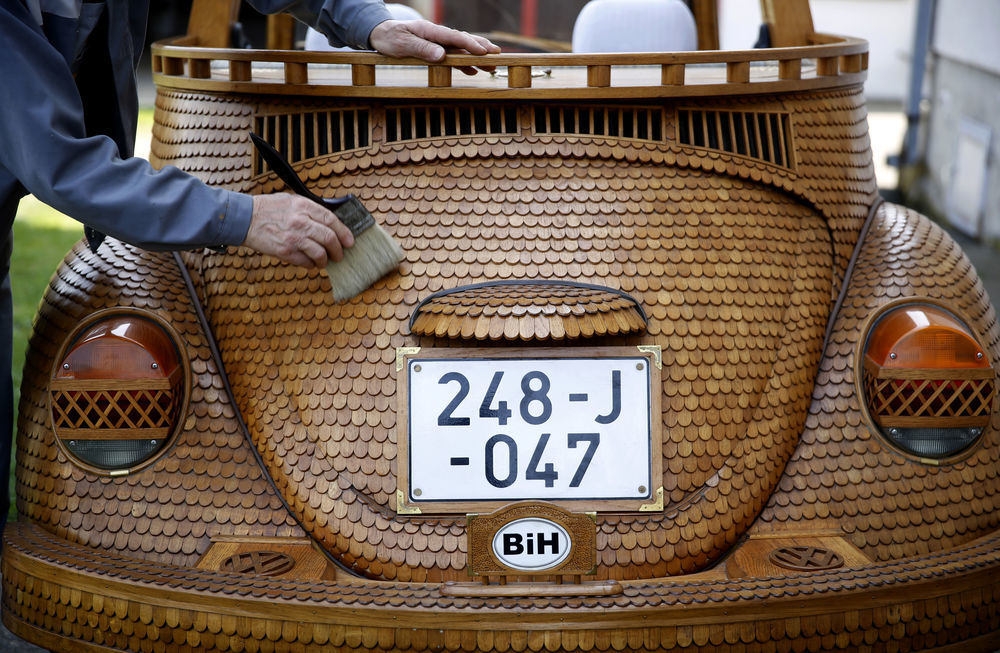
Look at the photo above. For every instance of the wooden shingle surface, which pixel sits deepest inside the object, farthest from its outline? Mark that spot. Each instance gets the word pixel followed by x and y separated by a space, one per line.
pixel 733 274
pixel 843 474
pixel 207 483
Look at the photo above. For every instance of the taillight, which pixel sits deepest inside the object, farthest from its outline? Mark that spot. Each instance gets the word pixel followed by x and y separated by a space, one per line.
pixel 928 383
pixel 118 391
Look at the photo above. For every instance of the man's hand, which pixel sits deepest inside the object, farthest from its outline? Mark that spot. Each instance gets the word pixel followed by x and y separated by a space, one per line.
pixel 296 230
pixel 428 41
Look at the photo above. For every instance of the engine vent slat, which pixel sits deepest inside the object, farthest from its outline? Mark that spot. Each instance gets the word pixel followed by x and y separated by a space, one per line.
pixel 765 136
pixel 632 123
pixel 419 122
pixel 302 136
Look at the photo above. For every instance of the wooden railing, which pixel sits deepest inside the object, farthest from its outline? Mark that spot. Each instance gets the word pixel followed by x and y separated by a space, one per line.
pixel 830 62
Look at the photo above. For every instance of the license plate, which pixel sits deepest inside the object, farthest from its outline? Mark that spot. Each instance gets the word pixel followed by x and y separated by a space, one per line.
pixel 479 427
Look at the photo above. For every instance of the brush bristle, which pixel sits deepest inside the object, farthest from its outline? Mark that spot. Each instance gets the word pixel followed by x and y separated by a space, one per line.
pixel 373 255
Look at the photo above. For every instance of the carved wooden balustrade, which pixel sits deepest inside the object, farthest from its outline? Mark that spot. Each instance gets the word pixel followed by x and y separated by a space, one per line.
pixel 831 61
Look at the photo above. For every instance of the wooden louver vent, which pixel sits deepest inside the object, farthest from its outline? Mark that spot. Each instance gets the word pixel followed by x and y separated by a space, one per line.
pixel 413 123
pixel 307 135
pixel 635 123
pixel 764 136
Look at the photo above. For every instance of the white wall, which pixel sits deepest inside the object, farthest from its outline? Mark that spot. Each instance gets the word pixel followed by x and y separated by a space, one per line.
pixel 886 24
pixel 964 98
pixel 969 31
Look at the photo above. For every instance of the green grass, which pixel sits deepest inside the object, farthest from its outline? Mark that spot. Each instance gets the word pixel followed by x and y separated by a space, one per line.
pixel 42 237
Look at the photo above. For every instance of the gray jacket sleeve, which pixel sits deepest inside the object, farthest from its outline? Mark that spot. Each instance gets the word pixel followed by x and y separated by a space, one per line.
pixel 43 143
pixel 344 22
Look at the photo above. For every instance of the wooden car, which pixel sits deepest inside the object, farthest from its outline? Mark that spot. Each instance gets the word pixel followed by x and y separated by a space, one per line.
pixel 659 371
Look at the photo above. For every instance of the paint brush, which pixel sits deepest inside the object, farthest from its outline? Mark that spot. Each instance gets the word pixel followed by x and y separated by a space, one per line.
pixel 374 253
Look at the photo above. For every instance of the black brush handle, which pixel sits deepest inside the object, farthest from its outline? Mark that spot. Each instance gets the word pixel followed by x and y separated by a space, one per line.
pixel 284 170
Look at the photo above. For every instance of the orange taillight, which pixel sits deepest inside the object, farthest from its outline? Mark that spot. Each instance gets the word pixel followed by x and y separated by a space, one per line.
pixel 927 382
pixel 117 392
pixel 923 336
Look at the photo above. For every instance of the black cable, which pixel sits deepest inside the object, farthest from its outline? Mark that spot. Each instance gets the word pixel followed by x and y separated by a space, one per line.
pixel 849 272
pixel 217 358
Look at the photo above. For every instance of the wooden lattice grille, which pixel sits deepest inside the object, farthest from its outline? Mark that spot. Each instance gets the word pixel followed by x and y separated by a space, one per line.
pixel 925 400
pixel 81 411
pixel 301 136
pixel 634 123
pixel 761 135
pixel 417 122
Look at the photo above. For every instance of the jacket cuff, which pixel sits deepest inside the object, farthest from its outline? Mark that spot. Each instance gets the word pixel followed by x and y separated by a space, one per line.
pixel 365 22
pixel 233 223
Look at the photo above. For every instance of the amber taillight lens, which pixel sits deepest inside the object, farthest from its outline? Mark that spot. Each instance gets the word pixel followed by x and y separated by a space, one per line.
pixel 117 392
pixel 928 383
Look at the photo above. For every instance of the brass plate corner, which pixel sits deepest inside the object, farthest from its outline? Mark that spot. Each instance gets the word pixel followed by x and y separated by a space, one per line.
pixel 402 353
pixel 656 351
pixel 656 506
pixel 403 508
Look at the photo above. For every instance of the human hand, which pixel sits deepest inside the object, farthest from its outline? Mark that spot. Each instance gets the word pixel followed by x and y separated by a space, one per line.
pixel 296 230
pixel 428 41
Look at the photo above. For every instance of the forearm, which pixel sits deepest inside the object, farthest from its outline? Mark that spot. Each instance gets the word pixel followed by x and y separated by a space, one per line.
pixel 344 22
pixel 43 143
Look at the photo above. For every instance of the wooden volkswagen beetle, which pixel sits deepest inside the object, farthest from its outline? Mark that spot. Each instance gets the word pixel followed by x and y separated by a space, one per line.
pixel 659 371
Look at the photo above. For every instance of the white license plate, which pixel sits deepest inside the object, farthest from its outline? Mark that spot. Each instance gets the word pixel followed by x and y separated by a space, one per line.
pixel 559 428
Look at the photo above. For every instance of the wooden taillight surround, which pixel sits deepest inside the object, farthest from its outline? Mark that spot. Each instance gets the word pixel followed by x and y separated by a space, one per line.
pixel 118 391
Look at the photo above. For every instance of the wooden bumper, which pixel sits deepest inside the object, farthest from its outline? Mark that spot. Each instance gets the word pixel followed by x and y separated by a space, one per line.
pixel 72 598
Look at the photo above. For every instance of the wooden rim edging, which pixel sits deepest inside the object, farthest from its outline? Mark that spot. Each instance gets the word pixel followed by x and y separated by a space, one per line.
pixel 843 46
pixel 169 435
pixel 869 420
pixel 840 62
pixel 47 639
pixel 36 553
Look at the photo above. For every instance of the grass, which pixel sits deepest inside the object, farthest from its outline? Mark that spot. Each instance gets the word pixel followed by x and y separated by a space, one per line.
pixel 42 237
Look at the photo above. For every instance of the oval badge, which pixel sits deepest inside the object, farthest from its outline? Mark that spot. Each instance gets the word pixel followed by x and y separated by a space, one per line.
pixel 531 544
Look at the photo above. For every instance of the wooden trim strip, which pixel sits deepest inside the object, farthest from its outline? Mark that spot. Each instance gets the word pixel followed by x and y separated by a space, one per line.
pixel 125 385
pixel 548 92
pixel 927 373
pixel 837 47
pixel 112 434
pixel 480 590
pixel 903 422
pixel 41 556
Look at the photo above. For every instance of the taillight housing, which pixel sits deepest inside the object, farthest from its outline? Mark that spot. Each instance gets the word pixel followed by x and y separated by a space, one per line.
pixel 928 384
pixel 118 391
